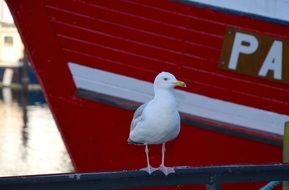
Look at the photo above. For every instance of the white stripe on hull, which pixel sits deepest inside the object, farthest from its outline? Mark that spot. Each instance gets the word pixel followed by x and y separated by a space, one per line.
pixel 274 9
pixel 132 89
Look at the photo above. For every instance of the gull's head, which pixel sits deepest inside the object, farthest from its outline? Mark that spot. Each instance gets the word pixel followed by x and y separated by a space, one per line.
pixel 167 80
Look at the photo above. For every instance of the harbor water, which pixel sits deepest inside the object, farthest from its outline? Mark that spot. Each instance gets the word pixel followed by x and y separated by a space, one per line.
pixel 30 142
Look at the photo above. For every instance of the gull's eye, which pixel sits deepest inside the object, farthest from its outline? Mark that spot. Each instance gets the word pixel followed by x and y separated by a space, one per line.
pixel 165 78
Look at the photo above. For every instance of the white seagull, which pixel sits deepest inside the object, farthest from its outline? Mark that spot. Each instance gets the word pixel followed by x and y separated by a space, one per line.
pixel 157 121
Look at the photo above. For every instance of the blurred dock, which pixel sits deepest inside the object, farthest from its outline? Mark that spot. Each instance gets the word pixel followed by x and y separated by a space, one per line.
pixel 211 177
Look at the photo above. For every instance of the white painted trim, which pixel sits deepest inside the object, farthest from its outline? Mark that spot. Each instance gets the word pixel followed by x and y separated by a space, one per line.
pixel 274 9
pixel 7 77
pixel 141 91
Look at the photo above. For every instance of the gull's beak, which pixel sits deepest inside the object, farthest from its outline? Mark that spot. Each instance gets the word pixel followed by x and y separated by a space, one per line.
pixel 180 83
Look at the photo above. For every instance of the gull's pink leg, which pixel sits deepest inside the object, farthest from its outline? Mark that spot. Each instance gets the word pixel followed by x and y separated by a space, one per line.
pixel 163 168
pixel 149 169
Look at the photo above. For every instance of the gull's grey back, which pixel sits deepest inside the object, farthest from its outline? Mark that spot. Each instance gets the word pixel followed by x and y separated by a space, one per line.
pixel 137 116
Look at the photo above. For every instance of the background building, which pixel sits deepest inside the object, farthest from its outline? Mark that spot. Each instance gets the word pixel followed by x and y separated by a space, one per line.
pixel 11 47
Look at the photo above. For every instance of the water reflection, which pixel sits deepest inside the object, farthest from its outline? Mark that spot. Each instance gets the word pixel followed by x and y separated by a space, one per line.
pixel 29 139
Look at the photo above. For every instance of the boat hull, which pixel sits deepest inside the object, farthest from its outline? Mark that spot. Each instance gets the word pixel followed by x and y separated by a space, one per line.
pixel 138 39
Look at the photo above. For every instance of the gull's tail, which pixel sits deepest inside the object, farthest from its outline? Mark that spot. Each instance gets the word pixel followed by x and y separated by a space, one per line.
pixel 129 141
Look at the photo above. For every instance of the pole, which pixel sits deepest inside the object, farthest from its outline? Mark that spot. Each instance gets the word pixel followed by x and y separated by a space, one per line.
pixel 286 151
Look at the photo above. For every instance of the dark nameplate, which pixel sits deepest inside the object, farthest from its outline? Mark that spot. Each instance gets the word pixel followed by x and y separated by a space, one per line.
pixel 256 55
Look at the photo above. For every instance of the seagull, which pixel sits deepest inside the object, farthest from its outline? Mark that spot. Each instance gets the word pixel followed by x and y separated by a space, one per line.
pixel 157 121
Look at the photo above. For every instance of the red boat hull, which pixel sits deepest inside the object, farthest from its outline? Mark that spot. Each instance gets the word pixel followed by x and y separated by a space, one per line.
pixel 139 39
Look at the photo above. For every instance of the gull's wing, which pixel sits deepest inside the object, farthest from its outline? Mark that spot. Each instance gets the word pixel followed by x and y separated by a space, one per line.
pixel 137 116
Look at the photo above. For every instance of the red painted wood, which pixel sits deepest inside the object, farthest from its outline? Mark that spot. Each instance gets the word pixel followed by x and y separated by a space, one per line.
pixel 139 39
pixel 166 39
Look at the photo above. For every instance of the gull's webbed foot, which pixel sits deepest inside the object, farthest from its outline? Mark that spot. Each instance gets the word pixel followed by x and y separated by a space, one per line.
pixel 149 169
pixel 166 170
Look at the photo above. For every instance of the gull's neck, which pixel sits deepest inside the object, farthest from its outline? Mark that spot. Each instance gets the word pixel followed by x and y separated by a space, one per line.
pixel 164 95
